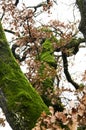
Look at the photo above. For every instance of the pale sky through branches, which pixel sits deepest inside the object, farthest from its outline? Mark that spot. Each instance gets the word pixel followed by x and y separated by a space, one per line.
pixel 64 11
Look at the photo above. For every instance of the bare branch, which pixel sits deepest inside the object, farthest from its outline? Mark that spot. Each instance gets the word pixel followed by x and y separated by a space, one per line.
pixel 37 6
pixel 10 31
pixel 16 2
pixel 67 74
pixel 2 16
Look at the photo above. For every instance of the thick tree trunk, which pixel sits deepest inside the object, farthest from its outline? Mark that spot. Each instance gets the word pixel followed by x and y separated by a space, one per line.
pixel 82 8
pixel 82 27
pixel 20 102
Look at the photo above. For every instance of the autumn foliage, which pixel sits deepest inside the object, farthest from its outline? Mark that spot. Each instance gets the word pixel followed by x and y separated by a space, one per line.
pixel 37 46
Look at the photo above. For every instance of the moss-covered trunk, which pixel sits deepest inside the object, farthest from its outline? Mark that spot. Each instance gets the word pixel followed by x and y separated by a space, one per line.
pixel 20 102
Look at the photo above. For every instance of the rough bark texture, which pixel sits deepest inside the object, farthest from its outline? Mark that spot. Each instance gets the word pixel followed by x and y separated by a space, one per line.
pixel 20 102
pixel 82 8
pixel 82 27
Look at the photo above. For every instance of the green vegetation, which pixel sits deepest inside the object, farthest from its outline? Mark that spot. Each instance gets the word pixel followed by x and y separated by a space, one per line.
pixel 47 53
pixel 21 98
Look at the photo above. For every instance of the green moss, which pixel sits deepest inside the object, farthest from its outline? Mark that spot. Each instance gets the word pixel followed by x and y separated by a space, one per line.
pixel 41 69
pixel 2 35
pixel 54 39
pixel 48 83
pixel 83 127
pixel 74 42
pixel 21 97
pixel 19 93
pixel 47 57
pixel 47 46
pixel 47 52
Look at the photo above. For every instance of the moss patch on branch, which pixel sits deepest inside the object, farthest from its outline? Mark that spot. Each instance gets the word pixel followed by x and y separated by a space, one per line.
pixel 21 98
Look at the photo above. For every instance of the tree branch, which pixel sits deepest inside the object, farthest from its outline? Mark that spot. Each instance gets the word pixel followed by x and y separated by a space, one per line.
pixel 10 31
pixel 2 16
pixel 16 2
pixel 20 59
pixel 67 74
pixel 73 45
pixel 82 8
pixel 37 6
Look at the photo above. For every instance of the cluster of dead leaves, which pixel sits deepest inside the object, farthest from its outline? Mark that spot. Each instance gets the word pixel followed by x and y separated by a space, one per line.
pixel 56 121
pixel 68 119
pixel 82 110
pixel 2 122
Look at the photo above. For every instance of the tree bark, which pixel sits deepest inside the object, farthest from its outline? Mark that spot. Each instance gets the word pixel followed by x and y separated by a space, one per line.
pixel 82 8
pixel 82 27
pixel 20 102
pixel 67 74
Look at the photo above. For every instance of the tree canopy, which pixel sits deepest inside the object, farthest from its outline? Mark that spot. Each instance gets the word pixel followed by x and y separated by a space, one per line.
pixel 37 45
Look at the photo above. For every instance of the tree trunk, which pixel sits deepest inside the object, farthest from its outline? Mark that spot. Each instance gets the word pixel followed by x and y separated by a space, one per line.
pixel 82 8
pixel 20 102
pixel 82 27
